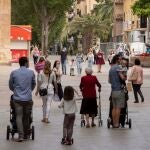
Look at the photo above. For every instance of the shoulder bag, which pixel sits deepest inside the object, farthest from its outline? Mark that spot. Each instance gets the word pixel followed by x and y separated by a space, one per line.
pixel 44 91
pixel 133 76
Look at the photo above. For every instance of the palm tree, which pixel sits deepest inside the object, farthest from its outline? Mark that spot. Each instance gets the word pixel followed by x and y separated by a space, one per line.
pixel 90 26
pixel 105 8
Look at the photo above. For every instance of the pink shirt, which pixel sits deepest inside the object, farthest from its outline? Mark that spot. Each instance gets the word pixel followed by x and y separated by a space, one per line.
pixel 139 70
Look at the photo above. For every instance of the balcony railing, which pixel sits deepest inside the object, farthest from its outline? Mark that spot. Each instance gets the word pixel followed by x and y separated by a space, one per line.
pixel 119 17
pixel 120 2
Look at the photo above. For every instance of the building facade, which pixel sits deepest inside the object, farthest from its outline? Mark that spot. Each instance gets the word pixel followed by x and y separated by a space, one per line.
pixel 117 31
pixel 134 28
pixel 5 19
pixel 85 6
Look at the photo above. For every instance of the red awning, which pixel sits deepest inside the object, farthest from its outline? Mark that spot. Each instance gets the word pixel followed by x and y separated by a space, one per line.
pixel 21 32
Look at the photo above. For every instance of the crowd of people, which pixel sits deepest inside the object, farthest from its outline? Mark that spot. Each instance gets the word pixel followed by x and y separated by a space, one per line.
pixel 23 81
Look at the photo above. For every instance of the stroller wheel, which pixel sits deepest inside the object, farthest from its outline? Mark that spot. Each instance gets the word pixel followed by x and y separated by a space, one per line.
pixel 82 123
pixel 108 123
pixel 130 123
pixel 8 132
pixel 33 133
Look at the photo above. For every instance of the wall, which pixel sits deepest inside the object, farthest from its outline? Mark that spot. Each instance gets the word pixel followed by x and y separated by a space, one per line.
pixel 5 18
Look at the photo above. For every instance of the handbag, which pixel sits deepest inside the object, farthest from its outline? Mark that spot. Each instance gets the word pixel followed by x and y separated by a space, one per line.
pixel 44 91
pixel 133 76
pixel 129 86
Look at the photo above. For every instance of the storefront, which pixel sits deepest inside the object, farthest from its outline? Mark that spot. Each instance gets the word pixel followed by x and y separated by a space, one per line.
pixel 21 36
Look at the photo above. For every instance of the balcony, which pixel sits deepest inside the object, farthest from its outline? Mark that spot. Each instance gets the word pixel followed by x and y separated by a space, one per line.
pixel 119 17
pixel 118 2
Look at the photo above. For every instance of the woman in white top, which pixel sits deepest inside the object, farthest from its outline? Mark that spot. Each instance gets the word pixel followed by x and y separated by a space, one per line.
pixel 90 58
pixel 46 80
pixel 56 69
pixel 69 108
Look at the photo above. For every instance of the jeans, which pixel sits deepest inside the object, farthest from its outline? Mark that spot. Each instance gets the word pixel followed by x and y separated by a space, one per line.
pixel 47 100
pixel 90 63
pixel 137 90
pixel 68 126
pixel 79 67
pixel 23 112
pixel 35 59
pixel 63 63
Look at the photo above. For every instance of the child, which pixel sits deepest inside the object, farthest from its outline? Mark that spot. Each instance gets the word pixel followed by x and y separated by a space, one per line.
pixel 69 106
pixel 72 67
pixel 79 61
pixel 123 69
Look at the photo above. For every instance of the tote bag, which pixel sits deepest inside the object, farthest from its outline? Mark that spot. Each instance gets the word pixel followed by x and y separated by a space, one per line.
pixel 129 86
pixel 133 76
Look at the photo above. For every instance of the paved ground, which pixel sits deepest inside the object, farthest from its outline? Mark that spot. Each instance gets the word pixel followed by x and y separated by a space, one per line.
pixel 49 136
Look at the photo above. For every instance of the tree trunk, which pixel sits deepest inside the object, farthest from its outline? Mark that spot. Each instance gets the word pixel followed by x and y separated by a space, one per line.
pixel 45 35
pixel 148 30
pixel 43 38
pixel 87 41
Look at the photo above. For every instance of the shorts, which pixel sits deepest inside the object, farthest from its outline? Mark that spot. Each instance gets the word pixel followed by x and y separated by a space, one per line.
pixel 118 99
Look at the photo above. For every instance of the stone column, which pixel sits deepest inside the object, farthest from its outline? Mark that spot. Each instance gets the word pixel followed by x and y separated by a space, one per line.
pixel 5 21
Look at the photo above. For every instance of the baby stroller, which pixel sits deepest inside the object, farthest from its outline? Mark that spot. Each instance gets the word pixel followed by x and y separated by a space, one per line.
pixel 100 121
pixel 11 130
pixel 124 118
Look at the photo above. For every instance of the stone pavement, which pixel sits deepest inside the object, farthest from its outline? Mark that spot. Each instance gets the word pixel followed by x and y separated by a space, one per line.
pixel 47 137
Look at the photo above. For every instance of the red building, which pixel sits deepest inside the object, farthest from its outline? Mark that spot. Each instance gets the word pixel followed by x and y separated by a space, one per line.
pixel 21 36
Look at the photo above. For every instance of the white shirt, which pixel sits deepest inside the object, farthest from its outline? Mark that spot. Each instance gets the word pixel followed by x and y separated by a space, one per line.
pixel 69 107
pixel 43 79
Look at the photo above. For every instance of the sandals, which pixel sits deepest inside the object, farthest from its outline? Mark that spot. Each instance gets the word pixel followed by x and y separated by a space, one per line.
pixel 87 126
pixel 45 121
pixel 66 142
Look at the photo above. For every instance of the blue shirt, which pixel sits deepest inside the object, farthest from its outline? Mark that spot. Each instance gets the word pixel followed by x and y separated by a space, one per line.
pixel 22 83
pixel 114 78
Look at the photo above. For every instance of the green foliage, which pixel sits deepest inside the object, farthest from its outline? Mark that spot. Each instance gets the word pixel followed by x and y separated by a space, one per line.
pixel 105 9
pixel 51 13
pixel 141 7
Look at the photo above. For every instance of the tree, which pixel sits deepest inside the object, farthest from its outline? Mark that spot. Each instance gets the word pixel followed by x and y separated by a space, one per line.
pixel 142 8
pixel 46 16
pixel 105 8
pixel 89 26
pixel 48 12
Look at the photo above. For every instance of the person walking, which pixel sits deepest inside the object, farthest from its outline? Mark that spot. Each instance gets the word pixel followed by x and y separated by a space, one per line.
pixel 69 106
pixel 36 54
pixel 79 61
pixel 117 93
pixel 46 82
pixel 39 66
pixel 90 58
pixel 100 60
pixel 63 58
pixel 56 69
pixel 137 83
pixel 88 88
pixel 22 83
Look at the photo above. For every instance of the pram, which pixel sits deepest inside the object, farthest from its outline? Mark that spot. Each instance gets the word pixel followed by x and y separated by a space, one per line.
pixel 124 118
pixel 100 121
pixel 12 130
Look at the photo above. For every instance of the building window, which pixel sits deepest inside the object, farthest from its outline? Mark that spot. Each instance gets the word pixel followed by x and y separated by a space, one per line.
pixel 143 22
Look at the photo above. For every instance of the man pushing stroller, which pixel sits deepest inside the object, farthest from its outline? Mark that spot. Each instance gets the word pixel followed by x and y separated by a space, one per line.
pixel 22 83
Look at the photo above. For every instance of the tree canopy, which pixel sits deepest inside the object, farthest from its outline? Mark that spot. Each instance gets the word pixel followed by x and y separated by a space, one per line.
pixel 141 7
pixel 46 17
